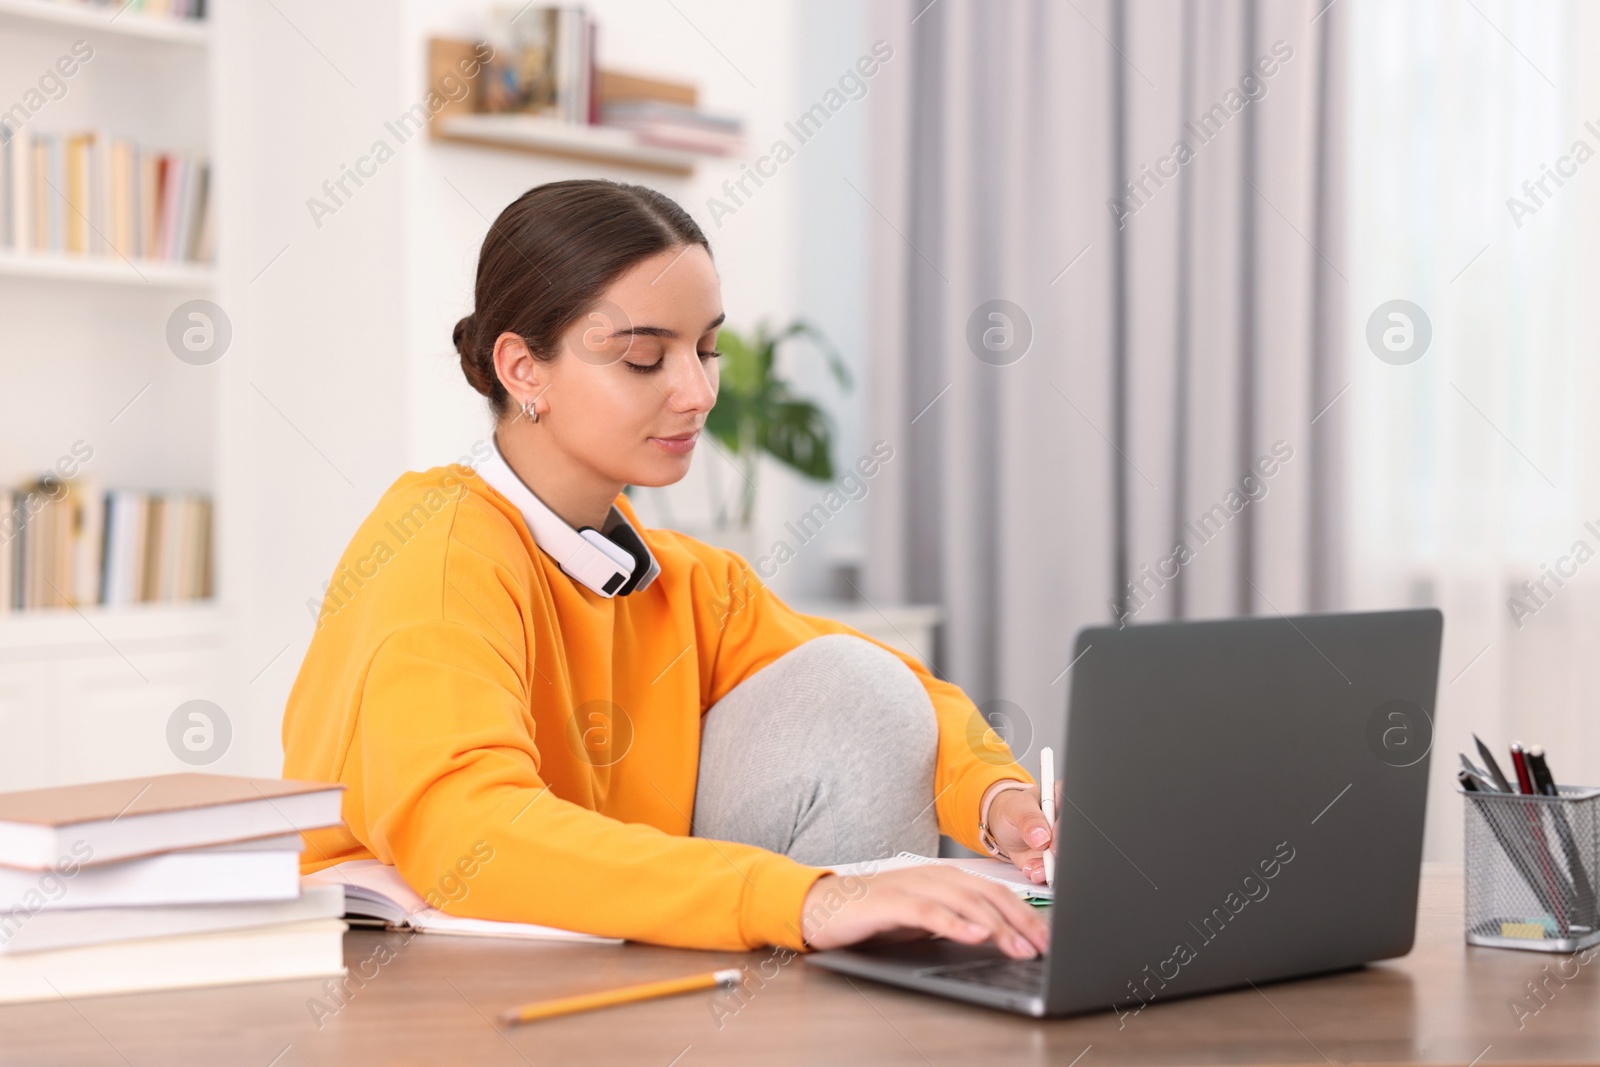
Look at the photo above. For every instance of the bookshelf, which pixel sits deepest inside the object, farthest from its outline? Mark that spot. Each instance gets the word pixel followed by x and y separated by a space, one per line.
pixel 191 32
pixel 110 270
pixel 86 691
pixel 88 630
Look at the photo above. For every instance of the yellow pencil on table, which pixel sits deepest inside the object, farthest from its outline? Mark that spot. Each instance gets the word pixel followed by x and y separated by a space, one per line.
pixel 545 1009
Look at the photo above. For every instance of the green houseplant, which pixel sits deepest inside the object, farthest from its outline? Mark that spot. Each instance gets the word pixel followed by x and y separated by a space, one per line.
pixel 757 412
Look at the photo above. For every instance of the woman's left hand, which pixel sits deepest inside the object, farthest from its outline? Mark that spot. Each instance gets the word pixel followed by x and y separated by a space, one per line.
pixel 1019 828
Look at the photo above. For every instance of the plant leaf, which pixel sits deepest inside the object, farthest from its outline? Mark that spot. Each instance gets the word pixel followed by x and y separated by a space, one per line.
pixel 800 435
pixel 724 418
pixel 804 328
pixel 739 367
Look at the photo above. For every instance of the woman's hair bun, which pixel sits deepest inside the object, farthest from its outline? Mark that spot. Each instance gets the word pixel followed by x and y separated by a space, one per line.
pixel 478 369
pixel 463 329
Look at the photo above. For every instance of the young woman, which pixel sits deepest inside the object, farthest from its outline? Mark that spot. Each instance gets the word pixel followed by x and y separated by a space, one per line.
pixel 545 713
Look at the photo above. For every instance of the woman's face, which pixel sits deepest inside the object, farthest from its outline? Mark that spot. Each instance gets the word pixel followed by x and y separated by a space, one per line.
pixel 636 376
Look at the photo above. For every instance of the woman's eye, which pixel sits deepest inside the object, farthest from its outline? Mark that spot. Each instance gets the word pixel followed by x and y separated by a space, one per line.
pixel 646 368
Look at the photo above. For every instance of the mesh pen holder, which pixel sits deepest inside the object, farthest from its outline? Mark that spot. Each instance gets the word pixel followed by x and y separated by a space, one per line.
pixel 1533 869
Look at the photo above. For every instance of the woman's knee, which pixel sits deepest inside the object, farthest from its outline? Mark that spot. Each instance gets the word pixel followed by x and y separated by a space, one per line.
pixel 862 677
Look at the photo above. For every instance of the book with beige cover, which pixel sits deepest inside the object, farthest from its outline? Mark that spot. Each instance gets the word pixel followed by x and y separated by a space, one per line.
pixel 143 816
pixel 305 949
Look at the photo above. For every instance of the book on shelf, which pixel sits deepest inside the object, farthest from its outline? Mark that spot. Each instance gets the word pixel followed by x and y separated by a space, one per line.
pixel 89 193
pixel 636 113
pixel 667 125
pixel 665 114
pixel 161 883
pixel 192 10
pixel 8 556
pixel 71 543
pixel 43 545
pixel 543 63
pixel 615 87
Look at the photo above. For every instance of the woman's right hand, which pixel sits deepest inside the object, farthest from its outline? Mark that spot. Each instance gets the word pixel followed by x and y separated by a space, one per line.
pixel 945 901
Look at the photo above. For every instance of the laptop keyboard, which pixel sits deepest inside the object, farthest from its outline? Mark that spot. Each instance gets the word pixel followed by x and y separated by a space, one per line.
pixel 1022 976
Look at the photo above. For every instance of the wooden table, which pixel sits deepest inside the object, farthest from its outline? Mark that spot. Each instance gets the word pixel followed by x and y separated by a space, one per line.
pixel 434 999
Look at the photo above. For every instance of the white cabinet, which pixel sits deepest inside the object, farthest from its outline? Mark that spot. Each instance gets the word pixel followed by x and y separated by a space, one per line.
pixel 88 696
pixel 28 728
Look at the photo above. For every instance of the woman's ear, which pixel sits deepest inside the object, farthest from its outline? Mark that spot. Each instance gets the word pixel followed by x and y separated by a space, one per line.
pixel 524 377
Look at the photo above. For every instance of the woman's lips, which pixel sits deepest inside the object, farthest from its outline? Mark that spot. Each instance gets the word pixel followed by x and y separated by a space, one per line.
pixel 678 446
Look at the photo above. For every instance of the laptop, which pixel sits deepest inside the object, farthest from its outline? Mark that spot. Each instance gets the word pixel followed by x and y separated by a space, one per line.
pixel 1242 802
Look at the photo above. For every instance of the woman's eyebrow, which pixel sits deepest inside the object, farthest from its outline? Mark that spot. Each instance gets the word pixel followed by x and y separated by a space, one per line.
pixel 663 331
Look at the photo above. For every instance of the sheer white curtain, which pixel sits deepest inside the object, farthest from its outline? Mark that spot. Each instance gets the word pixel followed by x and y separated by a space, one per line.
pixel 1477 467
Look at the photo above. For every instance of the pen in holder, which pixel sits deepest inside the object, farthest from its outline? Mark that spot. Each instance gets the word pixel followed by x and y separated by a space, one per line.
pixel 1531 869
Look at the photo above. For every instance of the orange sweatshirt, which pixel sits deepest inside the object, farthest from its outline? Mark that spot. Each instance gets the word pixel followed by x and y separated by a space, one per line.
pixel 478 702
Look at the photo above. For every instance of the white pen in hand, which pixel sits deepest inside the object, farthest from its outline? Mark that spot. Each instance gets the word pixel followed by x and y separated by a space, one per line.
pixel 1047 802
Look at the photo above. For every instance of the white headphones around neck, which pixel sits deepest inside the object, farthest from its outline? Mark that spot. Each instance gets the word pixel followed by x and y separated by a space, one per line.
pixel 612 562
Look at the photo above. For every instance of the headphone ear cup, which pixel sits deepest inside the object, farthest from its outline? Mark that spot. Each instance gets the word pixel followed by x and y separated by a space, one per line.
pixel 623 536
pixel 615 553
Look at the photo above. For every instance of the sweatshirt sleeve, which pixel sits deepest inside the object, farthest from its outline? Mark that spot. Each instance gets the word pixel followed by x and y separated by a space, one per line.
pixel 746 626
pixel 451 776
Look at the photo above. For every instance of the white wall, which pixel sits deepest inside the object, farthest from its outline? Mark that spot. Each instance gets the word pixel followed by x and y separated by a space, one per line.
pixel 315 397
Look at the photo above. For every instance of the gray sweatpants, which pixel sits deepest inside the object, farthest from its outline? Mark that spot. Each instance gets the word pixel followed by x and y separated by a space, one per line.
pixel 826 755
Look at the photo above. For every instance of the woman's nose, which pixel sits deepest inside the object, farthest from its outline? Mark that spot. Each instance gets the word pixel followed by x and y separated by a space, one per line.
pixel 693 386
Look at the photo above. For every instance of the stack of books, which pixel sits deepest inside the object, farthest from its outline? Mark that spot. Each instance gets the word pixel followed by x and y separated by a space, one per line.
pixel 163 883
pixel 92 194
pixel 68 543
pixel 654 122
pixel 665 114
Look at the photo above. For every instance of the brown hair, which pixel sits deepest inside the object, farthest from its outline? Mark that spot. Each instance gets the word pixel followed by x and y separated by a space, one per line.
pixel 547 259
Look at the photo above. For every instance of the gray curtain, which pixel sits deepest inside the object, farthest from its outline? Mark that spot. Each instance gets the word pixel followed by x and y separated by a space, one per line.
pixel 1166 367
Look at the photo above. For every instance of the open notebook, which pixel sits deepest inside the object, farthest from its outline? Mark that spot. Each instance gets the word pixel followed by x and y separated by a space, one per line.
pixel 375 891
pixel 993 870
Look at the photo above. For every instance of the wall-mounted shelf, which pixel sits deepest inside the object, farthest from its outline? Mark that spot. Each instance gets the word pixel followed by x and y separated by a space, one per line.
pixel 194 32
pixel 107 269
pixel 552 137
pixel 459 121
